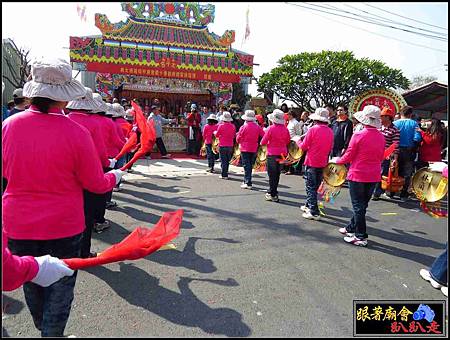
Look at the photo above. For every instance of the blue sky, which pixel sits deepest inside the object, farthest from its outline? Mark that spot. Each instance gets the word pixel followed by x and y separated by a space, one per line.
pixel 277 29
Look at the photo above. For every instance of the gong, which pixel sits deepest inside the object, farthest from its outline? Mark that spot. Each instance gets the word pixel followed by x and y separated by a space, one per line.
pixel 334 174
pixel 429 186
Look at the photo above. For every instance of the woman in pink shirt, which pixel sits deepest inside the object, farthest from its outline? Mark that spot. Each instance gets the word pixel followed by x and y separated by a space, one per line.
pixel 365 154
pixel 248 138
pixel 225 132
pixel 208 132
pixel 276 137
pixel 43 213
pixel 318 143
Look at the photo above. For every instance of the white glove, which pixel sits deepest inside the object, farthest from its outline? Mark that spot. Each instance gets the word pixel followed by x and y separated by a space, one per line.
pixel 437 166
pixel 118 173
pixel 51 269
pixel 334 160
pixel 296 139
pixel 112 163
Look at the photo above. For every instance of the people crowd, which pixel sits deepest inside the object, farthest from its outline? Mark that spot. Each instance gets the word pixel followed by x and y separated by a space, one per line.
pixel 73 136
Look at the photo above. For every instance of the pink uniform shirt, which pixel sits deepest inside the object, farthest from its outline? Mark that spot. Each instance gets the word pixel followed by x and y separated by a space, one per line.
pixel 16 270
pixel 110 136
pixel 226 132
pixel 119 130
pixel 208 131
pixel 48 160
pixel 94 128
pixel 276 137
pixel 248 136
pixel 318 143
pixel 365 154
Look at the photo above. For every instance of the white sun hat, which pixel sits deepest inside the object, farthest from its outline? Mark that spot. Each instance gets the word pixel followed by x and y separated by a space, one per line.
pixel 277 116
pixel 212 116
pixel 84 103
pixel 52 78
pixel 321 114
pixel 370 115
pixel 118 110
pixel 249 116
pixel 101 105
pixel 226 117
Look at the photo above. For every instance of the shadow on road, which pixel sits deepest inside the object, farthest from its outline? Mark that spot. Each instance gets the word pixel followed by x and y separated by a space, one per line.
pixel 140 289
pixel 10 305
pixel 188 258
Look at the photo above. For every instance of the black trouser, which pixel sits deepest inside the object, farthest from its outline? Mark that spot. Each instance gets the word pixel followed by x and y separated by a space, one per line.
pixel 194 144
pixel 406 167
pixel 226 152
pixel 49 306
pixel 210 156
pixel 274 171
pixel 161 146
pixel 89 212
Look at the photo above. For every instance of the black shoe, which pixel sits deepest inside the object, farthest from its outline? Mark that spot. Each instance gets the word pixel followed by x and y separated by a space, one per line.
pixel 92 254
pixel 375 198
pixel 111 205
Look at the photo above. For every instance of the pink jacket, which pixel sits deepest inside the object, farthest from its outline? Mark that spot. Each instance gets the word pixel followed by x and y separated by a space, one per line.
pixel 93 126
pixel 16 270
pixel 120 132
pixel 208 131
pixel 318 143
pixel 277 138
pixel 248 136
pixel 110 136
pixel 365 154
pixel 48 160
pixel 226 132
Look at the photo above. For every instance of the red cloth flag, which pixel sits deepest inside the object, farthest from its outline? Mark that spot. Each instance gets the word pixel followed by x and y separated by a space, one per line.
pixel 129 145
pixel 140 243
pixel 388 152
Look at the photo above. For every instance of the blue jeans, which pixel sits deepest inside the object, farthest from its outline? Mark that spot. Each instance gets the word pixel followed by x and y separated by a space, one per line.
pixel 248 160
pixel 360 194
pixel 49 306
pixel 384 172
pixel 313 179
pixel 226 153
pixel 438 269
pixel 210 156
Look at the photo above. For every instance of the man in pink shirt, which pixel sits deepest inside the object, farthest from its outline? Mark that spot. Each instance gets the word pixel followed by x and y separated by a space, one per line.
pixel 276 137
pixel 225 132
pixel 43 213
pixel 365 154
pixel 248 138
pixel 208 132
pixel 317 144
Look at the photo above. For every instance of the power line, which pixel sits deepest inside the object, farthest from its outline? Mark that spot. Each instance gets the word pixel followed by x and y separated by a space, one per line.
pixel 381 35
pixel 401 16
pixel 374 16
pixel 372 22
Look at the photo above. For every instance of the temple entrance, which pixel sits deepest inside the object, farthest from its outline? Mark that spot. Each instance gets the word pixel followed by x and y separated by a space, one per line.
pixel 174 103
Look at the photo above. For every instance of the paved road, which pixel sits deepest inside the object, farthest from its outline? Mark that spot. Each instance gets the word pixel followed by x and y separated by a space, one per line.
pixel 243 266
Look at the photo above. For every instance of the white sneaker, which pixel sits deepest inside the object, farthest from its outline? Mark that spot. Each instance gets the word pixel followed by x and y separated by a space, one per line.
pixel 344 231
pixel 310 216
pixel 427 277
pixel 444 290
pixel 304 208
pixel 246 186
pixel 356 241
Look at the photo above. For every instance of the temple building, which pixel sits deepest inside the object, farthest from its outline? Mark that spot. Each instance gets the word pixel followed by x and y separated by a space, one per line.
pixel 163 50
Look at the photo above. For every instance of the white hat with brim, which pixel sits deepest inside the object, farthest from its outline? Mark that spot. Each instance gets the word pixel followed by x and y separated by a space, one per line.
pixel 101 105
pixel 276 117
pixel 118 110
pixel 226 117
pixel 370 115
pixel 249 116
pixel 53 79
pixel 321 115
pixel 84 103
pixel 212 116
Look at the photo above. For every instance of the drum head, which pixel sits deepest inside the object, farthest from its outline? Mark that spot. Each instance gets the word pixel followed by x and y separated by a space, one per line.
pixel 294 151
pixel 429 186
pixel 334 174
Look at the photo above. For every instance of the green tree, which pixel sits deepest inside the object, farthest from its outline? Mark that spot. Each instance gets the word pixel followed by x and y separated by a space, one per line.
pixel 312 80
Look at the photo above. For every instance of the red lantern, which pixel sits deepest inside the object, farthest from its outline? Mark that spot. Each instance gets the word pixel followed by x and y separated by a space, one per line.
pixel 170 8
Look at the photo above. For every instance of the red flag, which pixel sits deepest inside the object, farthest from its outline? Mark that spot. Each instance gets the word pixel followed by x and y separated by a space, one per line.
pixel 140 243
pixel 388 152
pixel 129 145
